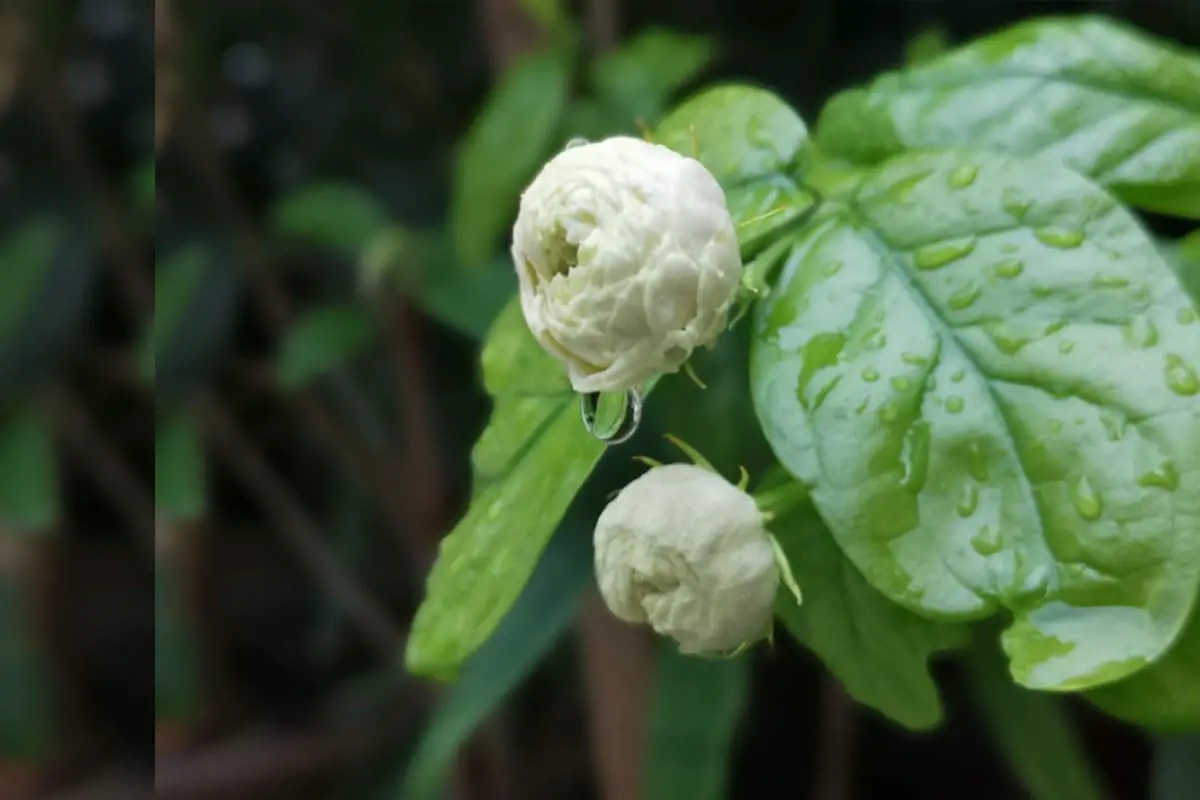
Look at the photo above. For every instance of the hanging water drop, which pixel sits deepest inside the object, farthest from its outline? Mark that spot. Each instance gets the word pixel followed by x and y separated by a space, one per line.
pixel 611 425
pixel 1086 500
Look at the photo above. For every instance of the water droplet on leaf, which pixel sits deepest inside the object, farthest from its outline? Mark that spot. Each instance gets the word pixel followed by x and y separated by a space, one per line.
pixel 1009 268
pixel 954 404
pixel 1165 476
pixel 1087 501
pixel 939 254
pixel 1140 332
pixel 1181 379
pixel 1186 316
pixel 963 298
pixel 870 375
pixel 987 541
pixel 1062 238
pixel 914 455
pixel 961 177
pixel 968 501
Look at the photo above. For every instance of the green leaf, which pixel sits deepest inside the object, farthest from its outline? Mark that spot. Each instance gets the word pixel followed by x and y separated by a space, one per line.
pixel 179 468
pixel 988 375
pixel 1033 732
pixel 195 304
pixel 1176 769
pixel 640 76
pixel 529 463
pixel 541 614
pixel 28 257
pixel 502 152
pixel 698 703
pixel 1107 99
pixel 29 501
pixel 338 215
pixel 751 141
pixel 24 704
pixel 321 341
pixel 926 45
pixel 1166 695
pixel 176 664
pixel 878 650
pixel 548 14
pixel 175 286
pixel 469 301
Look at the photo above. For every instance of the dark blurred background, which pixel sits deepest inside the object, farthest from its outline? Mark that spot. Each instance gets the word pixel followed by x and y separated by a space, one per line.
pixel 248 250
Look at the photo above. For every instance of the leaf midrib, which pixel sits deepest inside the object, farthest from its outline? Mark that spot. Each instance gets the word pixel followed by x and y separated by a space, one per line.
pixel 878 243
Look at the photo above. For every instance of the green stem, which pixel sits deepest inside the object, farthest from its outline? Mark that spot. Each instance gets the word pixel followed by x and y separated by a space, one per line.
pixel 779 500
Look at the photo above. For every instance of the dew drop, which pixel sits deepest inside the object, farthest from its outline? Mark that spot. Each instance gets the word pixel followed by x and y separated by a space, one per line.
pixel 1065 347
pixel 1009 247
pixel 976 462
pixel 1140 332
pixel 968 501
pixel 1009 268
pixel 954 404
pixel 1055 327
pixel 963 298
pixel 913 358
pixel 1015 204
pixel 1087 501
pixel 1006 342
pixel 1114 426
pixel 870 375
pixel 1062 238
pixel 900 384
pixel 914 456
pixel 987 541
pixel 1056 426
pixel 875 341
pixel 1181 379
pixel 1042 291
pixel 609 426
pixel 939 254
pixel 964 176
pixel 1186 316
pixel 834 267
pixel 890 412
pixel 958 375
pixel 1110 282
pixel 1165 476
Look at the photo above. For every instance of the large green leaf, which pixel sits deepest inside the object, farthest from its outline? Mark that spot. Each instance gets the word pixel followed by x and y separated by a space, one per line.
pixel 539 617
pixel 535 453
pixel 502 151
pixel 698 704
pixel 1109 100
pixel 322 340
pixel 878 650
pixel 1164 696
pixel 29 496
pixel 529 463
pixel 751 141
pixel 1033 732
pixel 1186 259
pixel 639 76
pixel 988 375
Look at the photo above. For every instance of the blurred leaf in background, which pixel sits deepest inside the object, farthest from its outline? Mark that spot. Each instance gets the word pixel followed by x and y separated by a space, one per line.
pixel 322 340
pixel 502 151
pixel 24 701
pixel 29 492
pixel 697 708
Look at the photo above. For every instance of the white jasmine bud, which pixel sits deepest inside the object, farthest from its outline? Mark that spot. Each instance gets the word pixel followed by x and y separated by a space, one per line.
pixel 627 260
pixel 686 551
